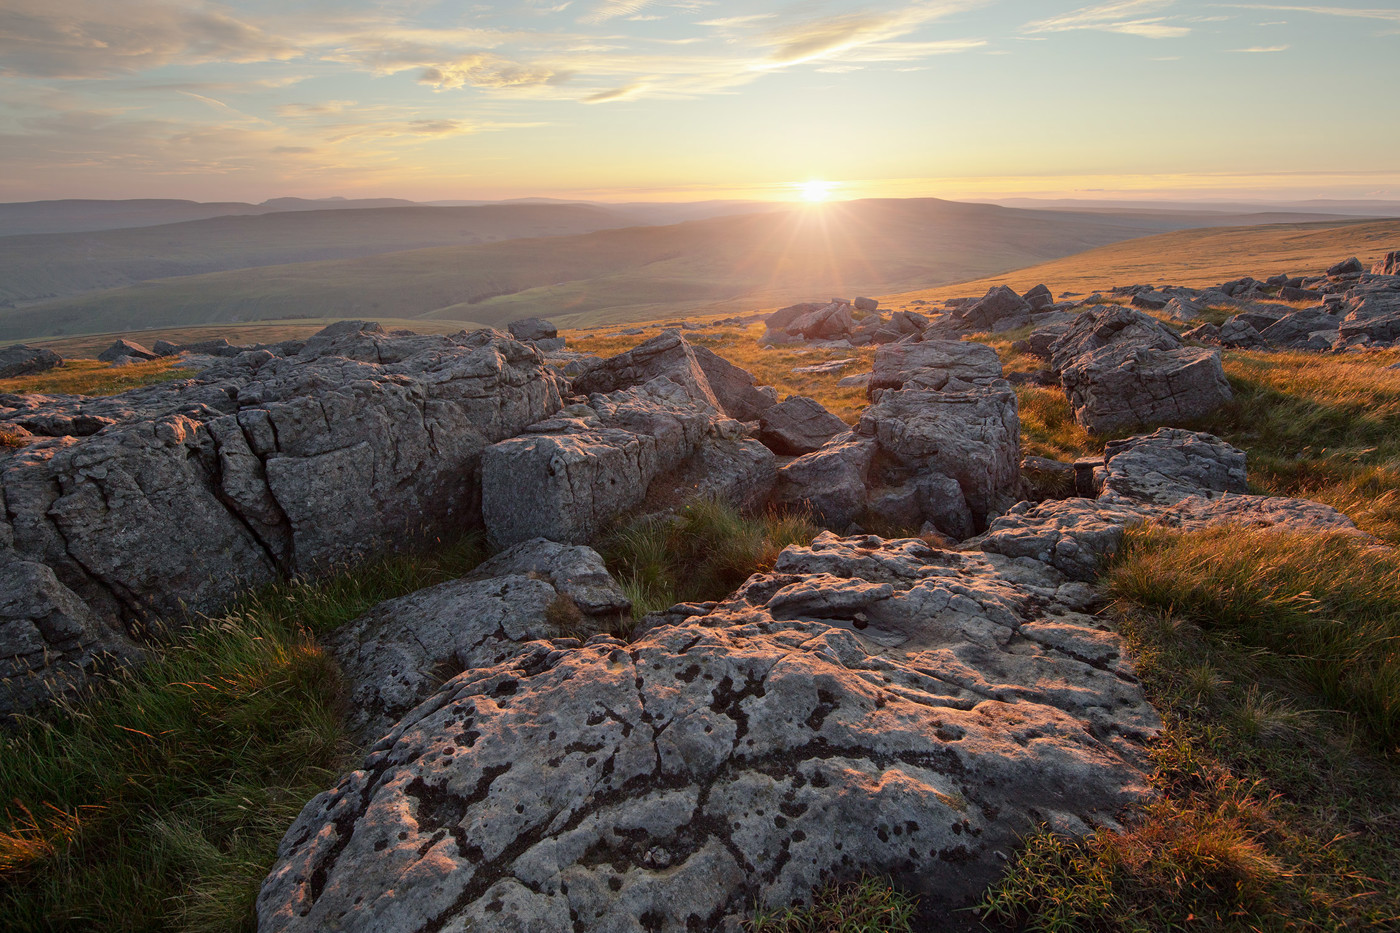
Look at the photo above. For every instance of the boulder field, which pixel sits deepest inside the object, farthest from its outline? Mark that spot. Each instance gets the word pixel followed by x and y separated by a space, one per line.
pixel 869 704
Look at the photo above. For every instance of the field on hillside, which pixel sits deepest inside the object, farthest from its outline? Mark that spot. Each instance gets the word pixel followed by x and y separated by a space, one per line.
pixel 1192 257
pixel 611 276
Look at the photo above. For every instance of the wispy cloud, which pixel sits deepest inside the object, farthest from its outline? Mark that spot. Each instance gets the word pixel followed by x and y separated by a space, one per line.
pixel 1392 15
pixel 1128 17
pixel 611 9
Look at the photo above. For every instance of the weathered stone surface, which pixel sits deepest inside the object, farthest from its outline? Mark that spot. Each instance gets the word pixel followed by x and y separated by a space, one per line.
pixel 1350 266
pixel 568 476
pixel 533 328
pixel 935 365
pixel 668 354
pixel 826 323
pixel 830 482
pixel 1166 466
pixel 1240 334
pixel 733 387
pixel 22 360
pixel 574 571
pixel 1390 265
pixel 750 753
pixel 972 437
pixel 1000 309
pixel 1183 309
pixel 50 640
pixel 1371 315
pixel 1075 536
pixel 780 319
pixel 124 350
pixel 1110 325
pixel 174 497
pixel 868 305
pixel 1298 329
pixel 1151 301
pixel 798 425
pixel 1122 385
pixel 1039 298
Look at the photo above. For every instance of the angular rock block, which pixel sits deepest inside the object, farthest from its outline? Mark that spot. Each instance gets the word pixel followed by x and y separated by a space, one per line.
pixel 1120 386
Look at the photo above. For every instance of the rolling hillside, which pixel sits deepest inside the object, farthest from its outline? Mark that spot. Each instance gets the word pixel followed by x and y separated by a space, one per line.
pixel 611 276
pixel 1193 257
pixel 61 264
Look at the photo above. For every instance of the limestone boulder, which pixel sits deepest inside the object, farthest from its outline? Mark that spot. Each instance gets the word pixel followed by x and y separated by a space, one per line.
pixel 935 365
pixel 868 706
pixel 798 425
pixel 1119 386
pixel 1170 464
pixel 1110 325
pixel 1000 309
pixel 1390 265
pixel 668 355
pixel 1039 298
pixel 21 360
pixel 125 350
pixel 830 483
pixel 533 329
pixel 734 387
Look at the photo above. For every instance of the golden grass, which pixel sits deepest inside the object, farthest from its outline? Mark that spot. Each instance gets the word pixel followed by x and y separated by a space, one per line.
pixel 1196 258
pixel 91 377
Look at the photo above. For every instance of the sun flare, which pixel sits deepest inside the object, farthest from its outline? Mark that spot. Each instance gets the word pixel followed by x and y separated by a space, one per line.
pixel 815 190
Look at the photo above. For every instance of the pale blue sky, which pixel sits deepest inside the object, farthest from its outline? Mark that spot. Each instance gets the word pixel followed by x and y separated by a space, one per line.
pixel 649 99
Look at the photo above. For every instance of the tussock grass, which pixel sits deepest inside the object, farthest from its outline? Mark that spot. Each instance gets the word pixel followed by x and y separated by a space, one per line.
pixel 1322 610
pixel 1278 777
pixel 158 804
pixel 869 905
pixel 91 377
pixel 699 555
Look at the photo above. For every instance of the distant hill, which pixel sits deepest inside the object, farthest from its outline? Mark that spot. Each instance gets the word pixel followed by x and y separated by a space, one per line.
pixel 78 215
pixel 55 265
pixel 636 273
pixel 1193 257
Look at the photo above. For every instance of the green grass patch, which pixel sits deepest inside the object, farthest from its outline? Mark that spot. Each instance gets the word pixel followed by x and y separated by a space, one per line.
pixel 699 555
pixel 90 377
pixel 158 805
pixel 1278 778
pixel 869 905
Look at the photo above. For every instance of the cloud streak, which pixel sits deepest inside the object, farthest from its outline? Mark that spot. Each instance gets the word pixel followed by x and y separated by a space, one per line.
pixel 1126 18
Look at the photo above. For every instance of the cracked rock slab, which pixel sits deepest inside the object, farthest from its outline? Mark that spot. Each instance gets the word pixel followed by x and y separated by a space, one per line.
pixel 668 784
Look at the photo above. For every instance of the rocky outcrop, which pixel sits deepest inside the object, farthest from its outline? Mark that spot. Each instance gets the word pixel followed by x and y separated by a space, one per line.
pixel 22 360
pixel 1110 325
pixel 1000 309
pixel 941 444
pixel 733 387
pixel 543 334
pixel 260 466
pixel 870 705
pixel 1170 464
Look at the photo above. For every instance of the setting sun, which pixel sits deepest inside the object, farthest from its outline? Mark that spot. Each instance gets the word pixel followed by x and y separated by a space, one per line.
pixel 816 190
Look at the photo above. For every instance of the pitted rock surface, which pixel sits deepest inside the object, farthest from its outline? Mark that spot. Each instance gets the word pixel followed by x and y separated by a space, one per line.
pixel 668 784
pixel 1170 464
pixel 1124 385
pixel 261 465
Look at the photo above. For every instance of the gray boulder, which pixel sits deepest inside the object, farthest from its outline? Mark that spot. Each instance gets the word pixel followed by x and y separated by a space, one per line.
pixel 533 329
pixel 798 425
pixel 125 350
pixel 574 571
pixel 1183 309
pixel 780 319
pixel 1171 464
pixel 1110 325
pixel 668 354
pixel 1347 267
pixel 1300 329
pixel 733 387
pixel 826 323
pixel 867 305
pixel 1123 385
pixel 1151 301
pixel 21 360
pixel 870 705
pixel 1000 309
pixel 1240 334
pixel 1039 298
pixel 829 483
pixel 935 364
pixel 972 438
pixel 1390 265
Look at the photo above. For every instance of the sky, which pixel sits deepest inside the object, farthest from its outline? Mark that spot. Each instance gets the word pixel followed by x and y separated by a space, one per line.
pixel 694 99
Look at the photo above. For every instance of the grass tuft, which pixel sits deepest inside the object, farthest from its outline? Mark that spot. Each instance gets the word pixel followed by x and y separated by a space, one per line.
pixel 699 555
pixel 869 905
